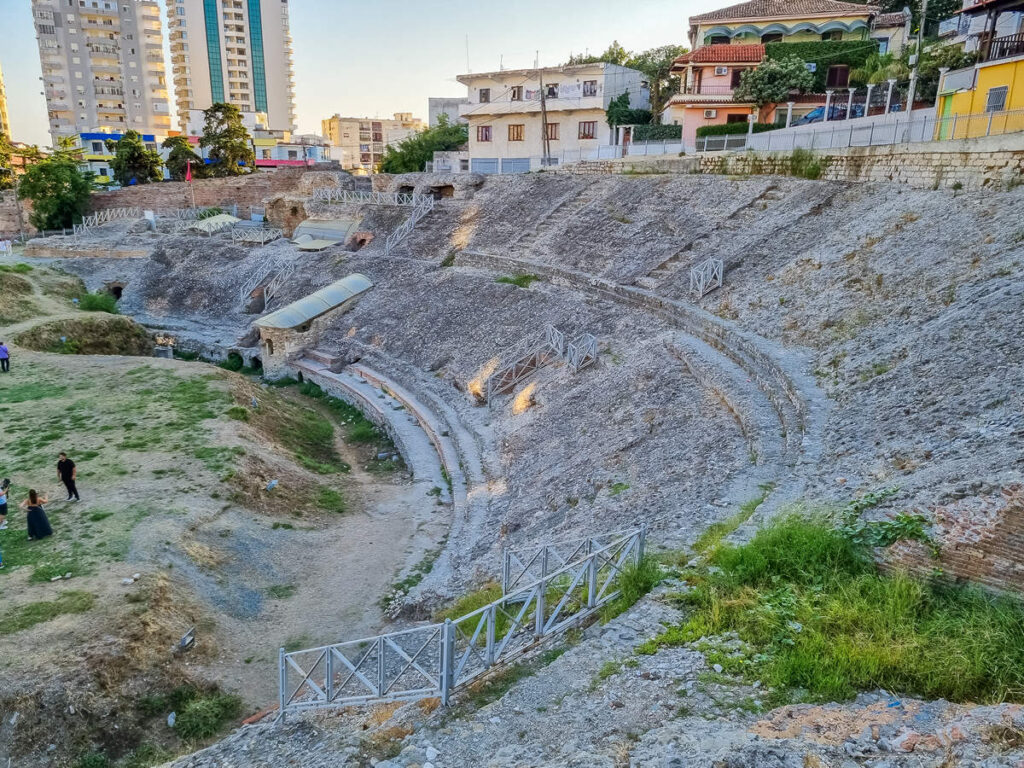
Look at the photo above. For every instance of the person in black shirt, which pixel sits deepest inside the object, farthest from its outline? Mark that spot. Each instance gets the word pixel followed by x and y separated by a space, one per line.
pixel 67 473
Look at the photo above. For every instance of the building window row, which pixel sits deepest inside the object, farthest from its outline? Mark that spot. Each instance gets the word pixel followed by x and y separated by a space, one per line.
pixel 587 129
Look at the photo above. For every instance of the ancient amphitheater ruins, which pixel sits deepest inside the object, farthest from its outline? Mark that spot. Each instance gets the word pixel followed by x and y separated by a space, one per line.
pixel 577 369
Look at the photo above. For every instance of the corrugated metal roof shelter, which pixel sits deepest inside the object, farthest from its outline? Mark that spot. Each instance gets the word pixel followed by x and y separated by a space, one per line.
pixel 307 309
pixel 213 224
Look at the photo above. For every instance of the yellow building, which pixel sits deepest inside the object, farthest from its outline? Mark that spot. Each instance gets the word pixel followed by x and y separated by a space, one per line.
pixel 361 140
pixel 987 98
pixel 771 21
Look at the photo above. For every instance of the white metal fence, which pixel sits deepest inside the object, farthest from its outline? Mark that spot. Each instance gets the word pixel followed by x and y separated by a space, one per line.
pixel 338 195
pixel 255 235
pixel 423 205
pixel 870 131
pixel 437 659
pixel 105 216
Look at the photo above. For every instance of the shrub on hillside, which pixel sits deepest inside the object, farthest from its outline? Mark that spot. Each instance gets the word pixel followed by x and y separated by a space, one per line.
pixel 100 301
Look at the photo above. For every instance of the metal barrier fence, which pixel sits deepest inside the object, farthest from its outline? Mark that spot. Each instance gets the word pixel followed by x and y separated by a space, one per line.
pixel 424 205
pixel 437 659
pixel 706 276
pixel 873 131
pixel 338 195
pixel 255 235
pixel 105 216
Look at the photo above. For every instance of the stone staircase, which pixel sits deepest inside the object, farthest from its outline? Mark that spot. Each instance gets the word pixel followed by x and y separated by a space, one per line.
pixel 701 247
pixel 562 214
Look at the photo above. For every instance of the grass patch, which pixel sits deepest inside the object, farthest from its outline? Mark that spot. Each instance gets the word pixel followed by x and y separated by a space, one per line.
pixel 469 602
pixel 331 500
pixel 88 336
pixel 21 268
pixel 821 618
pixel 238 413
pixel 520 281
pixel 635 581
pixel 206 715
pixel 714 533
pixel 281 591
pixel 100 301
pixel 25 616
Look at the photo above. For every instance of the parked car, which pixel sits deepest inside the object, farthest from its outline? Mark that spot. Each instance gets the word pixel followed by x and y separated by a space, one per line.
pixel 835 112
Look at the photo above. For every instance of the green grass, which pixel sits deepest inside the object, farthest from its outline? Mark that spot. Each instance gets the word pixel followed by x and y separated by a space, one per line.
pixel 25 616
pixel 206 715
pixel 821 619
pixel 100 301
pixel 520 281
pixel 238 413
pixel 331 500
pixel 714 533
pixel 635 581
pixel 469 602
pixel 281 591
pixel 21 268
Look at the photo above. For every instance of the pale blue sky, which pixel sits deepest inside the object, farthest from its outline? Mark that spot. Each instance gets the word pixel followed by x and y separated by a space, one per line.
pixel 377 57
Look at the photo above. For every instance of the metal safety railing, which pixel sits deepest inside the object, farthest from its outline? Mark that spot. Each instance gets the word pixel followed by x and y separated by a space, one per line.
pixel 437 659
pixel 339 195
pixel 255 235
pixel 706 276
pixel 105 216
pixel 581 352
pixel 423 206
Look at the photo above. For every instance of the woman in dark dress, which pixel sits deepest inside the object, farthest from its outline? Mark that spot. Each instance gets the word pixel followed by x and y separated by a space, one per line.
pixel 38 525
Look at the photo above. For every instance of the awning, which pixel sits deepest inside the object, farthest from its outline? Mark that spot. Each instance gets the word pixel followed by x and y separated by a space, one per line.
pixel 319 303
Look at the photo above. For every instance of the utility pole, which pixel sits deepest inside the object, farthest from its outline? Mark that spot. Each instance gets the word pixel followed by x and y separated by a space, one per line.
pixel 917 55
pixel 545 142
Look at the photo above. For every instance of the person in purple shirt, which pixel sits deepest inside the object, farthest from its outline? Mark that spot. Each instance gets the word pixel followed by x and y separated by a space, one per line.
pixel 5 359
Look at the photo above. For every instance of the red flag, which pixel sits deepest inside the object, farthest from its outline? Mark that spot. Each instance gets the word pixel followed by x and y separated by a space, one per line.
pixel 188 170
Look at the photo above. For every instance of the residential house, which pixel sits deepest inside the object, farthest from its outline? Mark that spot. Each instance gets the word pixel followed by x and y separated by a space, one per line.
pixel 731 40
pixel 507 132
pixel 987 97
pixel 360 141
pixel 96 157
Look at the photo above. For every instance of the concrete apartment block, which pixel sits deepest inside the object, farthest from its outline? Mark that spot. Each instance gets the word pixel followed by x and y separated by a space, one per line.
pixel 103 66
pixel 362 140
pixel 234 51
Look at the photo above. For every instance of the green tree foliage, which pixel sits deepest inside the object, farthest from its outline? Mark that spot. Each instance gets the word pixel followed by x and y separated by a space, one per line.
pixel 180 154
pixel 6 170
pixel 878 68
pixel 227 141
pixel 773 81
pixel 132 162
pixel 620 113
pixel 59 191
pixel 411 154
pixel 655 63
pixel 928 67
pixel 823 53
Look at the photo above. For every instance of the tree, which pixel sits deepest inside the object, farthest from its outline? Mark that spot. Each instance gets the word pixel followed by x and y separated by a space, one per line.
pixel 59 191
pixel 227 141
pixel 932 58
pixel 656 64
pixel 620 113
pixel 613 54
pixel 180 155
pixel 412 153
pixel 773 81
pixel 6 169
pixel 878 68
pixel 132 162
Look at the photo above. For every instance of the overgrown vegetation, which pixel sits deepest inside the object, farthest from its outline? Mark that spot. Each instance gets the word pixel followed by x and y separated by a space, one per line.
pixel 88 336
pixel 730 129
pixel 59 190
pixel 805 164
pixel 24 616
pixel 808 598
pixel 100 301
pixel 715 532
pixel 413 153
pixel 133 162
pixel 520 281
pixel 635 580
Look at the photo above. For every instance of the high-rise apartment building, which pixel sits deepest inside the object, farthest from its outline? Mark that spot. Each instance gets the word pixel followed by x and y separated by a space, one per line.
pixel 363 139
pixel 5 123
pixel 234 51
pixel 103 66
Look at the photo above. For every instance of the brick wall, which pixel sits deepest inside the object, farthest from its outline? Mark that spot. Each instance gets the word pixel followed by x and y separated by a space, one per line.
pixel 251 189
pixel 996 161
pixel 9 215
pixel 981 540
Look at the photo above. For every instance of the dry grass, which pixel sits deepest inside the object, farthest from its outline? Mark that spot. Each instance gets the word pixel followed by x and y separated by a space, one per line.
pixel 387 742
pixel 477 386
pixel 381 714
pixel 428 705
pixel 524 400
pixel 204 555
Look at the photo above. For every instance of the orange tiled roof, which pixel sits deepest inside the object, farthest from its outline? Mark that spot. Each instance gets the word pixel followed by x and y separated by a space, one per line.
pixel 786 9
pixel 722 53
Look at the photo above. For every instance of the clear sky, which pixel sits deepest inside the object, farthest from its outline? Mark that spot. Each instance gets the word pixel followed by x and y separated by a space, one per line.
pixel 377 57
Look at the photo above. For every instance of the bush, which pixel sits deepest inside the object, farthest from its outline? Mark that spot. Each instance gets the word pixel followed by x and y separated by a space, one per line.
pixel 100 301
pixel 209 213
pixel 92 760
pixel 650 132
pixel 204 717
pixel 233 362
pixel 805 164
pixel 824 53
pixel 729 129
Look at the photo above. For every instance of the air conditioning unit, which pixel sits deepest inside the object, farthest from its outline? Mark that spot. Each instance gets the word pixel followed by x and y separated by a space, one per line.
pixel 721 70
pixel 710 114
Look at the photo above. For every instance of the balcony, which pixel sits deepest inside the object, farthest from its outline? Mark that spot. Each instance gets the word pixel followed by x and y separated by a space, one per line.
pixel 1006 47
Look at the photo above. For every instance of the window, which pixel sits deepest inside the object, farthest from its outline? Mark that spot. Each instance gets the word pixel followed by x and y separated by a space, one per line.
pixel 883 44
pixel 553 131
pixel 552 91
pixel 515 132
pixel 834 35
pixel 589 88
pixel 838 76
pixel 516 93
pixel 734 78
pixel 996 101
pixel 97 147
pixel 463 165
pixel 773 37
pixel 718 40
pixel 485 95
pixel 483 133
pixel 588 129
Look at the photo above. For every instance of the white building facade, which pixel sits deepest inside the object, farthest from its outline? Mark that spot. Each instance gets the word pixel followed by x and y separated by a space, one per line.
pixel 103 66
pixel 233 51
pixel 507 131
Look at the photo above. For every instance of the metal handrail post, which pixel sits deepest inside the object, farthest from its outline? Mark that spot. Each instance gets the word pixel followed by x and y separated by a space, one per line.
pixel 591 582
pixel 642 543
pixel 329 682
pixel 544 563
pixel 447 660
pixel 542 588
pixel 492 615
pixel 380 665
pixel 505 570
pixel 282 680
